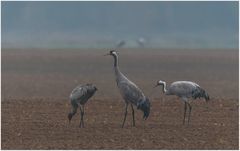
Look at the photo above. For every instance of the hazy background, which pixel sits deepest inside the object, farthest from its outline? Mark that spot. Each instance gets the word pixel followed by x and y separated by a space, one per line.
pixel 104 24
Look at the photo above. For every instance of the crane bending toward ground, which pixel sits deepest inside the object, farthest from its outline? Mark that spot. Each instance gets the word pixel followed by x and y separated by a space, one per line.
pixel 79 97
pixel 130 92
pixel 184 90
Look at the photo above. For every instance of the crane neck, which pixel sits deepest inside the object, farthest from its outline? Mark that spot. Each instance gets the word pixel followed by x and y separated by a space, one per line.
pixel 118 73
pixel 115 60
pixel 164 88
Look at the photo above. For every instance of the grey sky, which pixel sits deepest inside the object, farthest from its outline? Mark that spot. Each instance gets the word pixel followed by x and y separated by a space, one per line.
pixel 103 24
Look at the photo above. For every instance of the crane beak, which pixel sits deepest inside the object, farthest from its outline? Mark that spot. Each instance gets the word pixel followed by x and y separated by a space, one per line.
pixel 106 54
pixel 155 86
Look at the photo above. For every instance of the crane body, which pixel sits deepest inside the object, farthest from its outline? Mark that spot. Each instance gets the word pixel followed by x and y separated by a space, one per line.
pixel 184 90
pixel 78 98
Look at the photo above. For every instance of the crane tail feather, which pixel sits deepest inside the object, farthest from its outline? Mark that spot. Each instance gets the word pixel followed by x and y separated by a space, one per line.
pixel 200 93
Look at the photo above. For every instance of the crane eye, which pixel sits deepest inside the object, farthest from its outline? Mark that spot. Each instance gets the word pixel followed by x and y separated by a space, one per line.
pixel 113 51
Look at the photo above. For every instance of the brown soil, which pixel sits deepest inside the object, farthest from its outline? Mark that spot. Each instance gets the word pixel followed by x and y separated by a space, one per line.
pixel 36 85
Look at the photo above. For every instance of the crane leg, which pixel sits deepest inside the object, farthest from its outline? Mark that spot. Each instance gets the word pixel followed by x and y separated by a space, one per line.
pixel 125 115
pixel 82 117
pixel 82 114
pixel 189 113
pixel 185 108
pixel 133 115
pixel 80 125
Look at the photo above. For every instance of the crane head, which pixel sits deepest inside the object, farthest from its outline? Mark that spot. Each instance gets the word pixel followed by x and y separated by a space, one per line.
pixel 144 105
pixel 206 96
pixel 112 53
pixel 160 82
pixel 70 117
pixel 95 88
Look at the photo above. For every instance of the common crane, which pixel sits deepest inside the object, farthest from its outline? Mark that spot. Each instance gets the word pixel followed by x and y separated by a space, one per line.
pixel 79 97
pixel 130 92
pixel 184 90
pixel 141 42
pixel 121 43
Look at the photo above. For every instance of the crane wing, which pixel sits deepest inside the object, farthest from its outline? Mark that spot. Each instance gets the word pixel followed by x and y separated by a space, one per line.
pixel 78 93
pixel 130 92
pixel 182 89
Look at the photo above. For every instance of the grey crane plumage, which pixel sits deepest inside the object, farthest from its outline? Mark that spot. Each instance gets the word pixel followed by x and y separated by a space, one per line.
pixel 184 90
pixel 130 92
pixel 79 96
